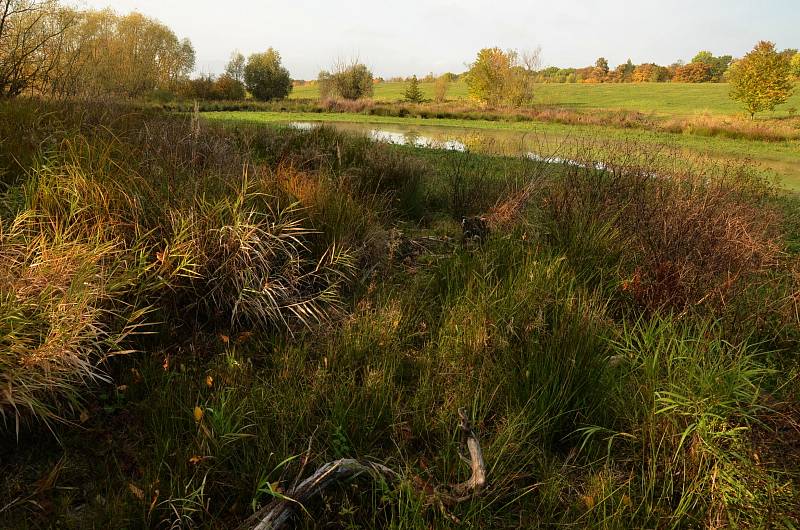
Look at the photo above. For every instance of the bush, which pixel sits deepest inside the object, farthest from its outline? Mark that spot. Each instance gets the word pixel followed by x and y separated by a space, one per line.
pixel 265 78
pixel 687 237
pixel 348 81
pixel 228 88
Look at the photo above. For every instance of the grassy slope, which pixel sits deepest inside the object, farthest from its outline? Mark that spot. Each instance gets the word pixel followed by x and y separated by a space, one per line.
pixel 781 157
pixel 671 99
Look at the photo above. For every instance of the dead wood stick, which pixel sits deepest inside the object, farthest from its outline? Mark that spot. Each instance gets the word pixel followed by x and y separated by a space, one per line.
pixel 477 480
pixel 278 513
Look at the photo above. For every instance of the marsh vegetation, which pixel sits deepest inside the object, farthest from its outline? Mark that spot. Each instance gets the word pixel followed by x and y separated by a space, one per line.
pixel 215 299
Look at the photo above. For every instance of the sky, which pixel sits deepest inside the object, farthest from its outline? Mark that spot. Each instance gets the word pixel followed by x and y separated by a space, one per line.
pixel 421 36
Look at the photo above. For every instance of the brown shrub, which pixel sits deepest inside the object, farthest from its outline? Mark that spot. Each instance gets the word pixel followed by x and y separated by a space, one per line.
pixel 688 233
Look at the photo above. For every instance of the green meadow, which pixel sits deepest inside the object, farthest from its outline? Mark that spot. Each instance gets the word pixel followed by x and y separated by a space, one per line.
pixel 668 99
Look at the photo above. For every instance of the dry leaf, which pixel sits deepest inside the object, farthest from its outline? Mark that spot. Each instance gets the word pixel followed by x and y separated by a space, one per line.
pixel 224 338
pixel 196 459
pixel 209 381
pixel 198 414
pixel 588 501
pixel 137 491
pixel 84 416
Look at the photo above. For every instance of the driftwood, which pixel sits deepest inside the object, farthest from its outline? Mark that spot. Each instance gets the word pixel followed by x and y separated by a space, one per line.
pixel 277 514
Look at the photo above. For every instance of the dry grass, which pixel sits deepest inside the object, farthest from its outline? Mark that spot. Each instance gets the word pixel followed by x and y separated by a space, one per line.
pixel 692 232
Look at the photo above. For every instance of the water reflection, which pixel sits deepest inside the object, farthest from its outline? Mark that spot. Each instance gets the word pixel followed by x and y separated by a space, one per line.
pixel 495 142
pixel 397 138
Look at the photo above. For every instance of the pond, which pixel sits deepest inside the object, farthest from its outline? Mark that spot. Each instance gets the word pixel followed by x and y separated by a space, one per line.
pixel 509 143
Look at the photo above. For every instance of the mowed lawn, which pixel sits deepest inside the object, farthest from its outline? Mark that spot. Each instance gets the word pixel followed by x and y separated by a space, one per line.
pixel 669 99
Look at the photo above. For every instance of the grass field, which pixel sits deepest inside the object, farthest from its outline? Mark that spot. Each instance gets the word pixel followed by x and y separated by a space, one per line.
pixel 781 158
pixel 668 99
pixel 196 315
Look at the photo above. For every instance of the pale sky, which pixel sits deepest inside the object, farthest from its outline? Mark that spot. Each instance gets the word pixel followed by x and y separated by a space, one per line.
pixel 419 36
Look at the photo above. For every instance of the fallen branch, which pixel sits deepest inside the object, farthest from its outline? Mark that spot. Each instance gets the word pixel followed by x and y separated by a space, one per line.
pixel 278 513
pixel 477 481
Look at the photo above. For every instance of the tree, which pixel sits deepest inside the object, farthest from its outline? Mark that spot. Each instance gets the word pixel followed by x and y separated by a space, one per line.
pixel 227 87
pixel 31 40
pixel 235 67
pixel 649 73
pixel 265 77
pixel 486 76
pixel 347 80
pixel 600 71
pixel 692 73
pixel 51 50
pixel 413 92
pixel 623 73
pixel 498 77
pixel 129 55
pixel 717 65
pixel 761 80
pixel 795 65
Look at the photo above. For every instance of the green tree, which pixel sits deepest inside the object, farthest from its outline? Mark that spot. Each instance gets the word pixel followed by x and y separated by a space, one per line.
pixel 351 80
pixel 413 92
pixel 235 67
pixel 265 77
pixel 761 80
pixel 717 66
pixel 498 77
pixel 795 65
pixel 486 76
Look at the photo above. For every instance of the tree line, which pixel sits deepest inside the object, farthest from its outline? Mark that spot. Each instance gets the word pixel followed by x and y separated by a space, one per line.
pixel 52 50
pixel 49 49
pixel 704 67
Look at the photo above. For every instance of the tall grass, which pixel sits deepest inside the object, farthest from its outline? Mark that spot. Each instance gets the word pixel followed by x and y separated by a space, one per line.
pixel 708 125
pixel 623 338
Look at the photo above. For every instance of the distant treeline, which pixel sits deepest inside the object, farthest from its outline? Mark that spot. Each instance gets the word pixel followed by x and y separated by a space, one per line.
pixel 705 67
pixel 52 50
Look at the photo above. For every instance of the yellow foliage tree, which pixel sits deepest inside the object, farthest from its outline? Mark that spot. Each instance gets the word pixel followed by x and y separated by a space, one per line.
pixel 761 80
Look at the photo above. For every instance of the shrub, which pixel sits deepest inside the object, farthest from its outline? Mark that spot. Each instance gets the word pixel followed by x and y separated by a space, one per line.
pixel 134 218
pixel 226 87
pixel 348 81
pixel 67 285
pixel 687 237
pixel 265 78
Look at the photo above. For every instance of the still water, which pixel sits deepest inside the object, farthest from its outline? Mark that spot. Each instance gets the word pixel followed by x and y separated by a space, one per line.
pixel 510 143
